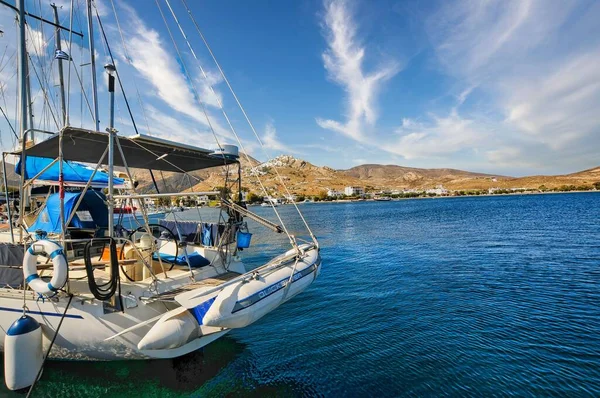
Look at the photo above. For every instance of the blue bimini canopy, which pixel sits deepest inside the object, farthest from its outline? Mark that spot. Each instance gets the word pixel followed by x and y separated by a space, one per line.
pixel 74 174
pixel 91 214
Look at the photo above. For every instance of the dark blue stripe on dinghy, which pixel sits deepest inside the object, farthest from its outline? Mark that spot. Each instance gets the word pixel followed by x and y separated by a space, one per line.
pixel 274 288
pixel 40 313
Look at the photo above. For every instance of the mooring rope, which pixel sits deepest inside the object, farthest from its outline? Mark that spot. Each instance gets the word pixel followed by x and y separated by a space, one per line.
pixel 39 373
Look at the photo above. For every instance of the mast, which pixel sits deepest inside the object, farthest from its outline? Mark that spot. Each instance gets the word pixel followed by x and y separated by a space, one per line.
pixel 60 67
pixel 110 69
pixel 22 53
pixel 29 101
pixel 93 64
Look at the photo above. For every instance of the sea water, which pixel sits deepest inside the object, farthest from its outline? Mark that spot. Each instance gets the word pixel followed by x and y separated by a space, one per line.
pixel 469 296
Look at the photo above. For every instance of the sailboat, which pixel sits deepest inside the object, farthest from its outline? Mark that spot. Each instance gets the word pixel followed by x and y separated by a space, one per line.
pixel 77 283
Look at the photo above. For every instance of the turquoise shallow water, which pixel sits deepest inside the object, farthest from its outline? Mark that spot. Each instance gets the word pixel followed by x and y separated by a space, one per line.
pixel 435 297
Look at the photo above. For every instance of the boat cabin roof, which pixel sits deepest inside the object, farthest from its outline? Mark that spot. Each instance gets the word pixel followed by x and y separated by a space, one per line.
pixel 140 151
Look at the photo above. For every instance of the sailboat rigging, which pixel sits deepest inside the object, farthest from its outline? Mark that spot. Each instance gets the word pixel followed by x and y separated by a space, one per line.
pixel 91 251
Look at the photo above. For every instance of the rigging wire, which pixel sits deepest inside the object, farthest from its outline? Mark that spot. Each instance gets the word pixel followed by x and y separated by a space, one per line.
pixel 128 58
pixel 244 113
pixel 3 56
pixel 193 87
pixel 46 97
pixel 62 318
pixel 112 59
pixel 82 92
pixel 67 122
pixel 45 73
pixel 225 115
pixel 18 73
pixel 187 74
pixel 9 123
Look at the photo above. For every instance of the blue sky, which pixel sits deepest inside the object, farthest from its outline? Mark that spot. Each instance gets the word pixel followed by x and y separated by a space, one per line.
pixel 507 87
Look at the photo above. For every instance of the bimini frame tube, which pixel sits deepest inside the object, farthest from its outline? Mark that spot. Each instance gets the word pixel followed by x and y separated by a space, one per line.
pixel 32 180
pixel 85 189
pixel 8 213
pixel 110 69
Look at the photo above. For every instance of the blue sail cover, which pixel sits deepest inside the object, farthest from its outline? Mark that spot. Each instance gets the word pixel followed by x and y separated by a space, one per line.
pixel 91 214
pixel 73 172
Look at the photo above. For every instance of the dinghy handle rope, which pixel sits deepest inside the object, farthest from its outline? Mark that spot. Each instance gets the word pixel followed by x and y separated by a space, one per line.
pixel 50 347
pixel 289 282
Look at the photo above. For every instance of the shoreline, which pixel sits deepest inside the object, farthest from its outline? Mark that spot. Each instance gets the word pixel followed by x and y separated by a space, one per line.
pixel 451 197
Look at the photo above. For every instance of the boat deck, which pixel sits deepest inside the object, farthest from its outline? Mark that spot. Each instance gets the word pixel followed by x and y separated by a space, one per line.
pixel 209 282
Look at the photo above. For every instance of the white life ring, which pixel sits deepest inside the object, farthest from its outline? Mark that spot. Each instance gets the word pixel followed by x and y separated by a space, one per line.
pixel 59 277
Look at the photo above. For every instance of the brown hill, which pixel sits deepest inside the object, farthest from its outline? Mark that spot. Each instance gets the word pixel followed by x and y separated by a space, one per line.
pixel 392 176
pixel 300 177
pixel 579 179
pixel 178 182
pixel 304 178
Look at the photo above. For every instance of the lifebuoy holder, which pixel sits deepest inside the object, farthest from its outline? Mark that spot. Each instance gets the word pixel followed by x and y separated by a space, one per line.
pixel 56 254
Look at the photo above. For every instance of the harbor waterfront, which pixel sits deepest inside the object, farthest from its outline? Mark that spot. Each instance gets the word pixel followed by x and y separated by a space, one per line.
pixel 471 296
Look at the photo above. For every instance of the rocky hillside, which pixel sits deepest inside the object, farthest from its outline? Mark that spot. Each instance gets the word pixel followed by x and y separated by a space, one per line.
pixel 392 176
pixel 300 176
pixel 581 178
pixel 304 178
pixel 177 182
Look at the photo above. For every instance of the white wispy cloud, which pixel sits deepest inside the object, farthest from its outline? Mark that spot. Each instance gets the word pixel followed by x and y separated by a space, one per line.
pixel 531 69
pixel 440 136
pixel 561 106
pixel 36 42
pixel 210 97
pixel 538 66
pixel 270 139
pixel 171 128
pixel 149 55
pixel 344 62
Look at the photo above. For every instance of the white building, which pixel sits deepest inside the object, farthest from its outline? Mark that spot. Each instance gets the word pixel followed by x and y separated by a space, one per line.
pixel 202 200
pixel 332 193
pixel 354 191
pixel 439 190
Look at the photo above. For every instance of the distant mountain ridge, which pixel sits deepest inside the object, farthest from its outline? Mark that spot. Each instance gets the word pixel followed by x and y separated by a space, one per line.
pixel 386 174
pixel 304 178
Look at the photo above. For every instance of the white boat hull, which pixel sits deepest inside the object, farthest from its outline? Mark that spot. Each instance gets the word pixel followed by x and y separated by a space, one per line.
pixel 88 323
pixel 89 326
